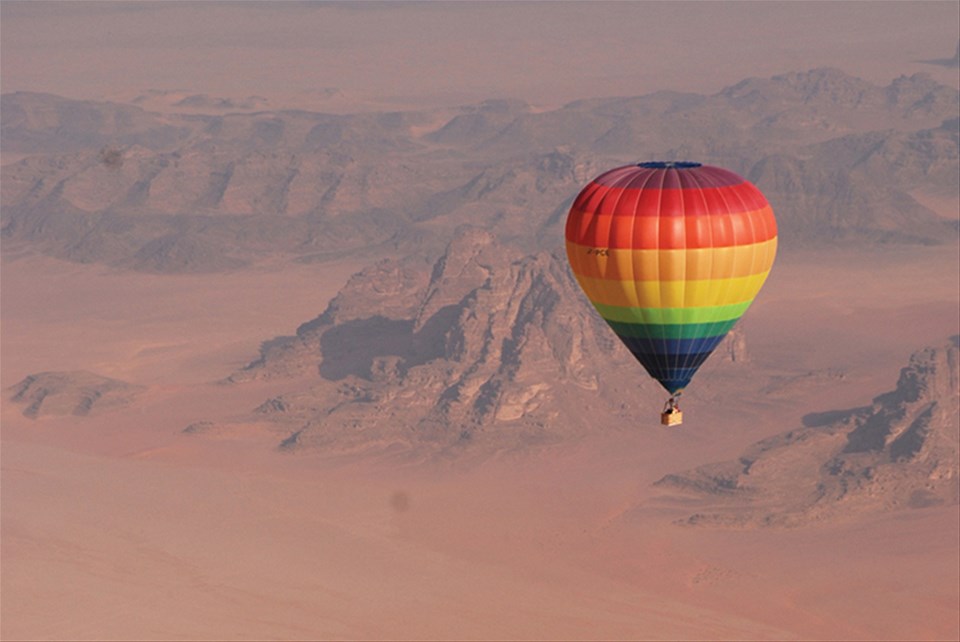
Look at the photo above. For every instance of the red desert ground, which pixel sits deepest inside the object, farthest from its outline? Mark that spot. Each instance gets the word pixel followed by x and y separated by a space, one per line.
pixel 290 349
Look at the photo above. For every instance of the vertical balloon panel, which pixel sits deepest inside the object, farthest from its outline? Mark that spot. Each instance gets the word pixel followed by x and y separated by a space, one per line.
pixel 671 255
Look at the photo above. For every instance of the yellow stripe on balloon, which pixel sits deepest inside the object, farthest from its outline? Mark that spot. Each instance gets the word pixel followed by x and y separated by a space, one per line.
pixel 672 265
pixel 672 294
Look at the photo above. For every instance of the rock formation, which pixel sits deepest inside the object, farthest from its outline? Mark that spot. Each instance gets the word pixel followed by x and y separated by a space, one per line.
pixel 488 344
pixel 71 393
pixel 901 451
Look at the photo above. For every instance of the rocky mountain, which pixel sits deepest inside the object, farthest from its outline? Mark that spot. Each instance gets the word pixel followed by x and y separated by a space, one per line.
pixel 839 157
pixel 901 451
pixel 860 185
pixel 487 348
pixel 78 393
pixel 757 113
pixel 821 96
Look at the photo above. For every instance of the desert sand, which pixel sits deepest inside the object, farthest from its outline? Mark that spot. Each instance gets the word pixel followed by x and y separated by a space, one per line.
pixel 119 526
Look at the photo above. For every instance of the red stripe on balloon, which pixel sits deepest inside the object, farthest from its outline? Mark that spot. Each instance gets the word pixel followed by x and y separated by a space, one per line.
pixel 671 232
pixel 636 207
pixel 657 201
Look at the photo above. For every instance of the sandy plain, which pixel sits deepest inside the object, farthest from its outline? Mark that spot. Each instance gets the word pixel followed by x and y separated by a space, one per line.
pixel 118 526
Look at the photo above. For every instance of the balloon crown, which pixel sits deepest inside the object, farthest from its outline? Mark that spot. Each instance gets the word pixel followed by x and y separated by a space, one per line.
pixel 668 164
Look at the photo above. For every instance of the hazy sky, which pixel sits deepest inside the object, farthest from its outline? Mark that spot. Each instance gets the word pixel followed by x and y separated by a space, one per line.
pixel 548 52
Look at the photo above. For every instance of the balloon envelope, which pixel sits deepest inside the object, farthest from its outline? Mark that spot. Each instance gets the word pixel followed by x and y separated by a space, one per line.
pixel 671 254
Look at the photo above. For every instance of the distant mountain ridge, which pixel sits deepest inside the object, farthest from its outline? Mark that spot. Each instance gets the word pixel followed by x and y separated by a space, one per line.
pixel 839 158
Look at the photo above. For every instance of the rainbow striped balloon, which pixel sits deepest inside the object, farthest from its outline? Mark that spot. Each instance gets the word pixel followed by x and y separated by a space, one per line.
pixel 671 254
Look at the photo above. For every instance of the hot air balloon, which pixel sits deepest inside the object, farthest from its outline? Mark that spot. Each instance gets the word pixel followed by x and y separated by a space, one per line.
pixel 671 254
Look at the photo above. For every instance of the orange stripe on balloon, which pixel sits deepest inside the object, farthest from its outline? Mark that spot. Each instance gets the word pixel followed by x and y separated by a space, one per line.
pixel 672 265
pixel 672 294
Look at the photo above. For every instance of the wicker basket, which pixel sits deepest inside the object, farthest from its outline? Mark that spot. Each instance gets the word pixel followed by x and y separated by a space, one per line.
pixel 671 418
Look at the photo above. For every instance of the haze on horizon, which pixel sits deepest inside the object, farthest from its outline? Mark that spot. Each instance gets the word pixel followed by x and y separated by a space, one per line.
pixel 432 53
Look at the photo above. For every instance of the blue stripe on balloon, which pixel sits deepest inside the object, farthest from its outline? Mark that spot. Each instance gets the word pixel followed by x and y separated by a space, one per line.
pixel 671 347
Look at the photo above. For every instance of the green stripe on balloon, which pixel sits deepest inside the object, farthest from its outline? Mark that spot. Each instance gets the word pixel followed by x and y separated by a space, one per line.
pixel 672 330
pixel 672 316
